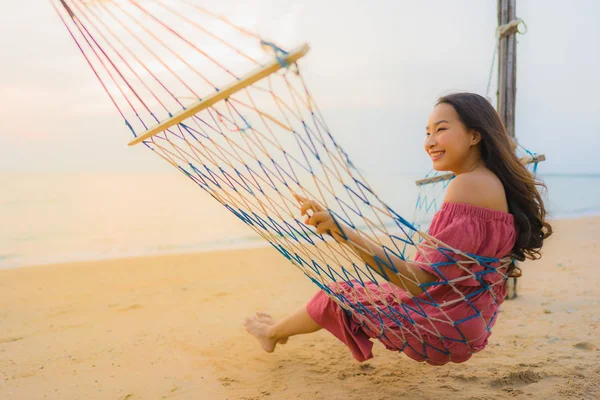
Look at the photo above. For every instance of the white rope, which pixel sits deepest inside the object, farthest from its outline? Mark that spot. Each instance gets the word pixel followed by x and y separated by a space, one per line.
pixel 510 28
pixel 487 90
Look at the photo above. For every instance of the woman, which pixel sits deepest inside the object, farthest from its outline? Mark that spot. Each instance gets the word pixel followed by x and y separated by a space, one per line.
pixel 492 208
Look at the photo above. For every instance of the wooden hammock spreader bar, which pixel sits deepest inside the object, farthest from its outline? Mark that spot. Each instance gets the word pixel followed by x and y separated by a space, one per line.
pixel 525 160
pixel 224 93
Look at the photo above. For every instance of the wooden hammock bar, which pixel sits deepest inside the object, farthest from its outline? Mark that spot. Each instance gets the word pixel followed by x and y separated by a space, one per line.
pixel 525 160
pixel 224 93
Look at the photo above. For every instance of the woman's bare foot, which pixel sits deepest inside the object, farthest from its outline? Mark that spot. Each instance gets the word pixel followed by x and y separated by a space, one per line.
pixel 266 318
pixel 259 326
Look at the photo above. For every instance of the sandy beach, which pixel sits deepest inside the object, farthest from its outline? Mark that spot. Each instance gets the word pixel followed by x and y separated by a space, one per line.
pixel 170 327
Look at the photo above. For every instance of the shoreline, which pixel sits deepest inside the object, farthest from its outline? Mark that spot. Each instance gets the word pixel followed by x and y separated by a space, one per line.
pixel 254 242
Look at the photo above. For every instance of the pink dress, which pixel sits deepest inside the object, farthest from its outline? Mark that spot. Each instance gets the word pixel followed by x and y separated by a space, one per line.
pixel 448 322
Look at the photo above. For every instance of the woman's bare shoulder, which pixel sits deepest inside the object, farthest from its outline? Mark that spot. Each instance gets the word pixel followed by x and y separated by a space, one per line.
pixel 478 188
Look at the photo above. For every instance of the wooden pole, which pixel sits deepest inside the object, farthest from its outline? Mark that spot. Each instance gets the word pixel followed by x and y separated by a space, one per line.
pixel 507 66
pixel 507 82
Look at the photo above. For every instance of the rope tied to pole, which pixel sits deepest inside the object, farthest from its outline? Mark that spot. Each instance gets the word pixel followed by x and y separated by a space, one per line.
pixel 503 31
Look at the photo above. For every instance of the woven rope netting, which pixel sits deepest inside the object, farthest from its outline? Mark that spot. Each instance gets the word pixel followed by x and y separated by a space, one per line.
pixel 256 146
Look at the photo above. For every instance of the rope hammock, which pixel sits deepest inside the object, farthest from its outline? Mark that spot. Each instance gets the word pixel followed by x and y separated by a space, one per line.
pixel 232 112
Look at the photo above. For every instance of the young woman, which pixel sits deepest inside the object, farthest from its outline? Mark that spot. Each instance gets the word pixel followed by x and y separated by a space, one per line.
pixel 492 208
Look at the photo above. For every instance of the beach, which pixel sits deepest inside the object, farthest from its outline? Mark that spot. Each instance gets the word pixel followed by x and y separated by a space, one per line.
pixel 171 327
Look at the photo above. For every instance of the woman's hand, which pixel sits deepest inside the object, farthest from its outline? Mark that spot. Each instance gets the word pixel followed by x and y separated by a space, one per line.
pixel 320 219
pixel 396 270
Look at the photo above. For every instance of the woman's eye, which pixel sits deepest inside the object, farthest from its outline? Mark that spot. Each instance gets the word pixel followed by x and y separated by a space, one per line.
pixel 441 129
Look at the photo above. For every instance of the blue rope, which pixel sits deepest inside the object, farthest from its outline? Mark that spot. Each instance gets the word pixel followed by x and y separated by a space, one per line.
pixel 280 54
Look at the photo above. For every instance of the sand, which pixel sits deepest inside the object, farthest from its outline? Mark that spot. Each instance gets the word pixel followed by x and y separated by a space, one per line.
pixel 170 327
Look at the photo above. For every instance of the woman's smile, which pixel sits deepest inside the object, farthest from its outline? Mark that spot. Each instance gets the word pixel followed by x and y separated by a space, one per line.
pixel 436 155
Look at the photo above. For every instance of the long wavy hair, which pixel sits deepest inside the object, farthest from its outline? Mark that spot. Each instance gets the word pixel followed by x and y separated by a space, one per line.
pixel 497 151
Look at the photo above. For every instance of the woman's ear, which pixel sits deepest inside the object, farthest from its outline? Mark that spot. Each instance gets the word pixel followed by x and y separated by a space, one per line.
pixel 475 137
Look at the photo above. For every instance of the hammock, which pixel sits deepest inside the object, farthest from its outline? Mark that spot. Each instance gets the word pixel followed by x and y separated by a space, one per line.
pixel 232 112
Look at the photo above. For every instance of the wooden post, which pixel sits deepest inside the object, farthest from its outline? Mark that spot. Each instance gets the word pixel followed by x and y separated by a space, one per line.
pixel 507 66
pixel 507 82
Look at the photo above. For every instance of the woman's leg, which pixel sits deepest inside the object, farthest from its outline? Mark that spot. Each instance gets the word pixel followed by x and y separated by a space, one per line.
pixel 269 333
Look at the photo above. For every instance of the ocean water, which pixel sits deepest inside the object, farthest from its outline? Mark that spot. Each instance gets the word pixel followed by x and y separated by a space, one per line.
pixel 48 218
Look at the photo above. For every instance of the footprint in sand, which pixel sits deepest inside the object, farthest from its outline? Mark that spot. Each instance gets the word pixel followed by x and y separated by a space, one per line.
pixel 227 381
pixel 517 379
pixel 10 339
pixel 366 367
pixel 585 346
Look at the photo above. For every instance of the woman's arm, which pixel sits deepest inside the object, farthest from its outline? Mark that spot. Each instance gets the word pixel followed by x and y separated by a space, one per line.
pixel 408 276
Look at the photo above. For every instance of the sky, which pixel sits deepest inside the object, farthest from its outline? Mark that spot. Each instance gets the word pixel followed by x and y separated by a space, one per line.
pixel 375 69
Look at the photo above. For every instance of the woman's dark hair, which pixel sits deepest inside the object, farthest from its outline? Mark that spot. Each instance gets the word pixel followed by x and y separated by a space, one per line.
pixel 497 152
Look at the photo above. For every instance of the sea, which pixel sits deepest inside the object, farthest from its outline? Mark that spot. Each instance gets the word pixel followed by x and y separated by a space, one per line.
pixel 57 217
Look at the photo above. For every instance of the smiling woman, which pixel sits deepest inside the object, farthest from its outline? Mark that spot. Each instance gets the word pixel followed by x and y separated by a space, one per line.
pixel 491 150
pixel 238 120
pixel 491 208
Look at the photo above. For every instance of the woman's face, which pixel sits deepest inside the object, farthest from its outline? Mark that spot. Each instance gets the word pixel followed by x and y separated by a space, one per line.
pixel 448 142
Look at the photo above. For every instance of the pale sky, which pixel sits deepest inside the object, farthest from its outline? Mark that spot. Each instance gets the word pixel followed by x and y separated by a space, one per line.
pixel 375 68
